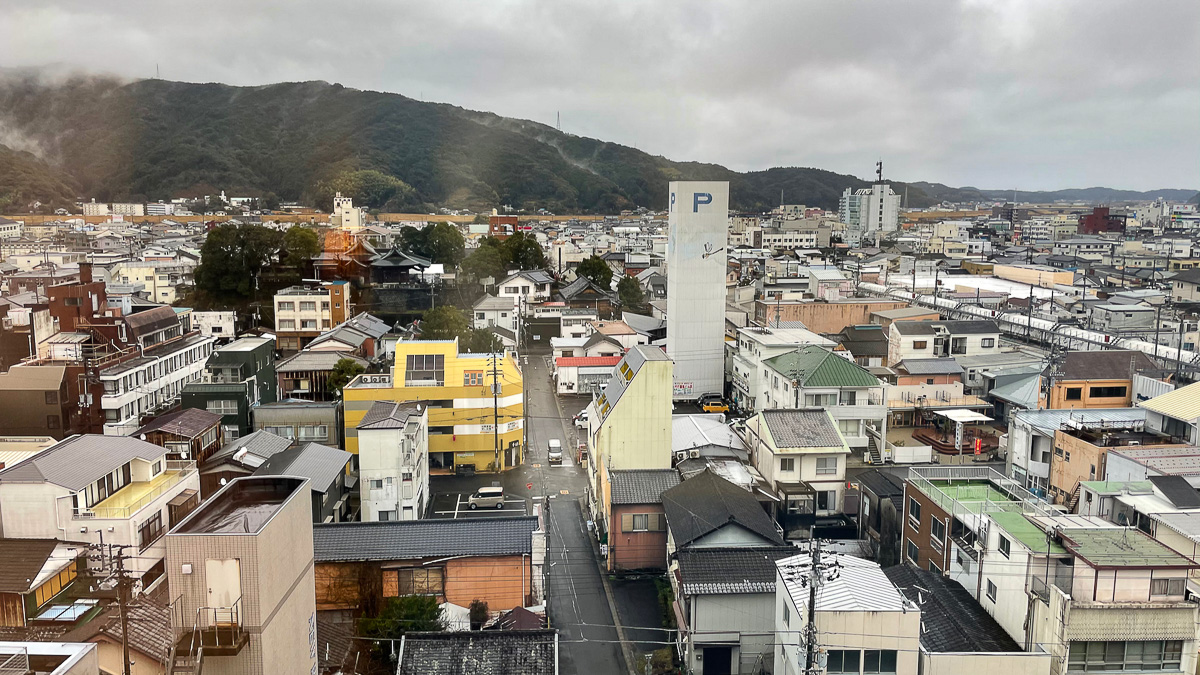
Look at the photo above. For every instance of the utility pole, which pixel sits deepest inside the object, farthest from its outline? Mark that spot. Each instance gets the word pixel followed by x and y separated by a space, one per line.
pixel 810 628
pixel 121 576
pixel 496 410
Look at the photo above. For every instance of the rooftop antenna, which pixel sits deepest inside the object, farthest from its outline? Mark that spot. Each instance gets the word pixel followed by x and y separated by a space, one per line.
pixel 157 75
pixel 879 171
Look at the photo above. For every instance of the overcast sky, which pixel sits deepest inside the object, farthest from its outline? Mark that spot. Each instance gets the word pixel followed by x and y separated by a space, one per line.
pixel 1029 94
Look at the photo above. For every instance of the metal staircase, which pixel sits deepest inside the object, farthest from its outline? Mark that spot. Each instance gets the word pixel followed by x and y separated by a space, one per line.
pixel 874 456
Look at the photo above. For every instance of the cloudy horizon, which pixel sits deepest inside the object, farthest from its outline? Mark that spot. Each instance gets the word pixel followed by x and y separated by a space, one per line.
pixel 1016 95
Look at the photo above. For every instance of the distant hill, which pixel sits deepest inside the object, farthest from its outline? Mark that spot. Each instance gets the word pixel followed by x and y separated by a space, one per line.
pixel 153 139
pixel 1093 195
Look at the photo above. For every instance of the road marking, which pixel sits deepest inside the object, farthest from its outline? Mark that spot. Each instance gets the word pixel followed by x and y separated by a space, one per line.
pixel 536 466
pixel 565 492
pixel 457 501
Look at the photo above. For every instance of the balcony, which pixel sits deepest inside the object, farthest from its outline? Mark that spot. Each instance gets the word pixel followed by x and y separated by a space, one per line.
pixel 140 494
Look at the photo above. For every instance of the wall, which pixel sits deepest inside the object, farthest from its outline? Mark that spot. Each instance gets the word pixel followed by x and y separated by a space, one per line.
pixel 921 535
pixel 745 619
pixel 823 317
pixel 1059 401
pixel 1007 663
pixel 503 582
pixel 636 550
pixel 110 655
pixel 1037 277
pixel 696 337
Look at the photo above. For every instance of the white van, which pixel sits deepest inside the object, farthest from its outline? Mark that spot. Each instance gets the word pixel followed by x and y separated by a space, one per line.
pixel 554 451
pixel 487 497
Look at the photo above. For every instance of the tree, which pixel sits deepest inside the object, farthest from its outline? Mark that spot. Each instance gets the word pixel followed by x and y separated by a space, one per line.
pixel 480 341
pixel 343 371
pixel 270 201
pixel 481 219
pixel 478 613
pixel 407 613
pixel 370 188
pixel 232 258
pixel 485 261
pixel 300 244
pixel 596 270
pixel 444 244
pixel 444 323
pixel 524 252
pixel 630 295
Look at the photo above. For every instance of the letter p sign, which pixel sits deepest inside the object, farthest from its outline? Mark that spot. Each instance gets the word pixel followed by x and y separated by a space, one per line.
pixel 699 198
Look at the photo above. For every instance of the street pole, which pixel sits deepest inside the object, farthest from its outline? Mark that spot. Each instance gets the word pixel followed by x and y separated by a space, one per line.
pixel 496 410
pixel 122 600
pixel 810 630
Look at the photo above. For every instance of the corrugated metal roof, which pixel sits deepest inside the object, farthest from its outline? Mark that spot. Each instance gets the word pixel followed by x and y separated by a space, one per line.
pixel 694 431
pixel 577 361
pixel 79 461
pixel 941 366
pixel 320 464
pixel 405 540
pixel 860 586
pixel 1182 404
pixel 1048 421
pixel 315 361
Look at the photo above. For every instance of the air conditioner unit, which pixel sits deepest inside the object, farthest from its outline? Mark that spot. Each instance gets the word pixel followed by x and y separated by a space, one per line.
pixel 680 456
pixel 694 454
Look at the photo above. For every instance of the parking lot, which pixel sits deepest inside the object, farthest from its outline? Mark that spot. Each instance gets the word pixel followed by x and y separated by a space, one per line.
pixel 455 505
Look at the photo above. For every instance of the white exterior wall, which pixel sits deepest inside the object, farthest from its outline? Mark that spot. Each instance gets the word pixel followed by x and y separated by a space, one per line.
pixel 698 224
pixel 1008 574
pixel 386 455
pixel 746 620
pixel 150 385
pixel 215 324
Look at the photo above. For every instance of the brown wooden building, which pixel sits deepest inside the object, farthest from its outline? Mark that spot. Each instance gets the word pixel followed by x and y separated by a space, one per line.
pixel 189 433
pixel 638 527
pixel 359 565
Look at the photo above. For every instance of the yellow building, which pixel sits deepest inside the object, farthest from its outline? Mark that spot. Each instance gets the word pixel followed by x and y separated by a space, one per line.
pixel 457 388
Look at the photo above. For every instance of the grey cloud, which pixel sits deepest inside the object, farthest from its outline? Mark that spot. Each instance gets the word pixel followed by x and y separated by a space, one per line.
pixel 1026 93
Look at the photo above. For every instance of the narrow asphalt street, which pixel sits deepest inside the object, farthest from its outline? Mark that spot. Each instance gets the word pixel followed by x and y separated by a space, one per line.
pixel 578 606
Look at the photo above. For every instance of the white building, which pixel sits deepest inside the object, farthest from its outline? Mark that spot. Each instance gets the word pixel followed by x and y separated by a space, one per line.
pixel 525 288
pixel 127 209
pixel 393 461
pixel 697 238
pixel 345 215
pixel 10 229
pixel 495 311
pixel 754 346
pixel 160 209
pixel 868 212
pixel 220 325
pixel 909 340
pixel 94 209
pixel 110 489
pixel 802 455
pixel 814 377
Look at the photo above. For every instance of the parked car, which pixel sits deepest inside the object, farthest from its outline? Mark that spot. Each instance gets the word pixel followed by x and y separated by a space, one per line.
pixel 554 451
pixel 714 405
pixel 581 420
pixel 487 497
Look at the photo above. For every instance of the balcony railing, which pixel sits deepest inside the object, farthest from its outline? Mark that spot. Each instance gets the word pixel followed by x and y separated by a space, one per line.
pixel 181 468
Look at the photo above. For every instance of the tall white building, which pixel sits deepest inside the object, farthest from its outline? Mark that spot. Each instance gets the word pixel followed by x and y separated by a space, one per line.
pixel 869 211
pixel 345 215
pixel 393 461
pixel 698 233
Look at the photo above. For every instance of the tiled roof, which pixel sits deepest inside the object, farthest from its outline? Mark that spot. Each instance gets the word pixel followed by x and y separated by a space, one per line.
pixel 577 361
pixel 943 366
pixel 320 464
pixel 388 415
pixel 498 652
pixel 719 571
pixel 315 361
pixel 78 461
pixel 641 486
pixel 818 367
pixel 954 621
pixel 1111 364
pixel 186 422
pixel 404 540
pixel 802 428
pixel 707 503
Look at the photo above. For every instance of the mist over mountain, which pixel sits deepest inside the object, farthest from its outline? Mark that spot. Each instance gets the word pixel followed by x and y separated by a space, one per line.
pixel 116 140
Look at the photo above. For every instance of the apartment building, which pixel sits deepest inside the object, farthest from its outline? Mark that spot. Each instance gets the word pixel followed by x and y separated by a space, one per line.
pixel 237 377
pixel 305 312
pixel 94 488
pixel 1081 453
pixel 169 357
pixel 751 379
pixel 1094 379
pixel 814 377
pixel 240 569
pixel 393 461
pixel 466 422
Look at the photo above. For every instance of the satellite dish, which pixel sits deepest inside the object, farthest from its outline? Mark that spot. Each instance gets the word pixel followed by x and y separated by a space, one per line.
pixel 142 436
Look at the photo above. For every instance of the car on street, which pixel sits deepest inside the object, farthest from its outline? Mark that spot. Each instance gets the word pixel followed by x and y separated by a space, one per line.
pixel 713 404
pixel 581 420
pixel 554 451
pixel 487 497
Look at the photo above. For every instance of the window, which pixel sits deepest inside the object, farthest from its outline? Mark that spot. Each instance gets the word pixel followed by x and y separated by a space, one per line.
pixel 287 307
pixel 480 316
pixel 937 530
pixel 987 343
pixel 232 432
pixel 149 531
pixel 376 484
pixel 52 421
pixel 1133 655
pixel 222 406
pixel 385 516
pixel 1005 546
pixel 156 468
pixel 787 464
pixel 920 344
pixel 879 661
pixel 958 345
pixel 283 432
pixel 826 466
pixel 473 378
pixel 308 324
pixel 314 432
pixel 991 590
pixel 787 615
pixel 929 380
pixel 413 581
pixel 308 306
pixel 1167 586
pixel 389 480
pixel 1074 393
pixel 406 476
pixel 641 522
pixel 325 305
pixel 52 398
pixel 1108 392
pixel 820 400
pixel 826 500
pixel 914 513
pixel 425 370
pixel 848 398
pixel 849 427
pixel 843 661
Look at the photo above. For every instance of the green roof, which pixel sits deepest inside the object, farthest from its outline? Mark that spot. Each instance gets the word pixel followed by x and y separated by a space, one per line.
pixel 818 367
pixel 1116 487
pixel 1121 547
pixel 1024 531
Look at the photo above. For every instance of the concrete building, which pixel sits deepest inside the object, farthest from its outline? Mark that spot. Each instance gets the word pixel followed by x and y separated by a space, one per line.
pixel 495 311
pixel 301 421
pixel 756 345
pixel 697 237
pixel 629 425
pixel 327 472
pixel 1094 379
pixel 814 377
pixel 87 487
pixel 220 325
pixel 304 312
pixel 393 461
pixel 868 212
pixel 241 569
pixel 237 377
pixel 470 427
pixel 909 340
pixel 344 215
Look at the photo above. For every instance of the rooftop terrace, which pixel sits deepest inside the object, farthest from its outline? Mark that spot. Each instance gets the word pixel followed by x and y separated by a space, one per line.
pixel 244 506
